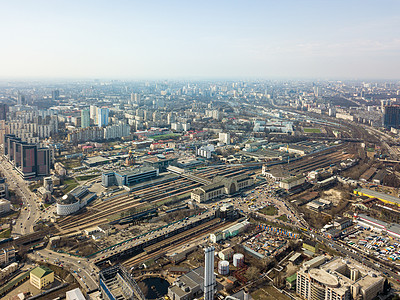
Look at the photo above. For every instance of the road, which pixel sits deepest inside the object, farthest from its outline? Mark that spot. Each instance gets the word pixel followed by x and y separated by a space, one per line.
pixel 29 210
pixel 86 271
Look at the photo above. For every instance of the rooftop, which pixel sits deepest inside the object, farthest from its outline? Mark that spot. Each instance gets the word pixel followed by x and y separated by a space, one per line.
pixel 133 171
pixel 379 195
pixel 41 271
pixel 324 277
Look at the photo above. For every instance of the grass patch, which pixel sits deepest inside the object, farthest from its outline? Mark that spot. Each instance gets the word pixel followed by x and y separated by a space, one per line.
pixel 270 210
pixel 268 292
pixel 71 184
pixel 312 130
pixel 166 136
pixel 85 177
pixel 5 233
pixel 283 218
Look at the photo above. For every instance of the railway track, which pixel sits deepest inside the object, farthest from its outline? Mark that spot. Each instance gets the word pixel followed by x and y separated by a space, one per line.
pixel 100 212
pixel 142 257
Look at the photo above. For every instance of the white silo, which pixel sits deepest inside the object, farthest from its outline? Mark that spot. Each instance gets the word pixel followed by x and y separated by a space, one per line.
pixel 223 267
pixel 238 260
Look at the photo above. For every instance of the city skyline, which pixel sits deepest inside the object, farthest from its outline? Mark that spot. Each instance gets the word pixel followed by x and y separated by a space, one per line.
pixel 257 39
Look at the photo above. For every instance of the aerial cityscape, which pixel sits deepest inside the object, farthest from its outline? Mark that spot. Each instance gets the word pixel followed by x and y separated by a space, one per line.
pixel 164 151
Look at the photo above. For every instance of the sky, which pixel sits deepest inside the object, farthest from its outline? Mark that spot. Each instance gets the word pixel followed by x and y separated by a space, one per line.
pixel 188 39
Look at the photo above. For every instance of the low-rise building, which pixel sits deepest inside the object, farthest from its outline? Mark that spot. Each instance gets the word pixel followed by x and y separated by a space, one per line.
pixel 5 206
pixel 292 182
pixel 221 186
pixel 41 277
pixel 8 270
pixel 7 255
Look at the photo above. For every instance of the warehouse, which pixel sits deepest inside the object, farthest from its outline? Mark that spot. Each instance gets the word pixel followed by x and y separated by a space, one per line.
pixel 380 196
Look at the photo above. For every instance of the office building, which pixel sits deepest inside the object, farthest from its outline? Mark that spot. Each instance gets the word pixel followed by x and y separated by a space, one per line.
pixel 41 277
pixel 338 279
pixel 29 160
pixel 102 116
pixel 391 116
pixel 85 118
pixel 128 177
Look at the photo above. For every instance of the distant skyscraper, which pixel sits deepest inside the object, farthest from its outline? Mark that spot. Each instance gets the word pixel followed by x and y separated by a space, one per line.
pixel 55 95
pixel 20 99
pixel 93 113
pixel 3 111
pixel 391 116
pixel 85 118
pixel 102 116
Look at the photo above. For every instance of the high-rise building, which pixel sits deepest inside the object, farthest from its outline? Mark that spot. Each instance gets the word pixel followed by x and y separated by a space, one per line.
pixel 102 116
pixel 391 116
pixel 85 118
pixel 209 277
pixel 3 111
pixel 225 138
pixel 28 160
pixel 20 99
pixel 93 113
pixel 55 95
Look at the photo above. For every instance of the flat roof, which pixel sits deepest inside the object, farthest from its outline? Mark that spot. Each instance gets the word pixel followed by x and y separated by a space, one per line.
pixel 134 171
pixel 324 277
pixel 379 195
pixel 96 159
pixel 372 220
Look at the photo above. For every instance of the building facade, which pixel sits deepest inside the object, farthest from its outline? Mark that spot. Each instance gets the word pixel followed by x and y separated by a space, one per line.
pixel 41 277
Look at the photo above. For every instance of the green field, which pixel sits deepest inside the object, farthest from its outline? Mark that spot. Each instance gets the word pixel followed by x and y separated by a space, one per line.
pixel 5 233
pixel 86 177
pixel 269 210
pixel 312 130
pixel 166 136
pixel 71 184
pixel 283 218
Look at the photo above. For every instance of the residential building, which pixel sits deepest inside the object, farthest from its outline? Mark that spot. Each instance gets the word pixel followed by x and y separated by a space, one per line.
pixel 102 116
pixel 85 118
pixel 391 116
pixel 7 255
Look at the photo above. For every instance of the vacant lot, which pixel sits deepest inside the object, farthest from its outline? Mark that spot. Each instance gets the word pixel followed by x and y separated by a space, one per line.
pixel 267 293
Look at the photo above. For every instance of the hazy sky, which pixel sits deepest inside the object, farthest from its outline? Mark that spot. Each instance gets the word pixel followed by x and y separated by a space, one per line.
pixel 200 39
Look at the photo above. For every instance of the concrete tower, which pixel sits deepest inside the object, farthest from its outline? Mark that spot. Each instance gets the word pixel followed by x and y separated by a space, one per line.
pixel 209 278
